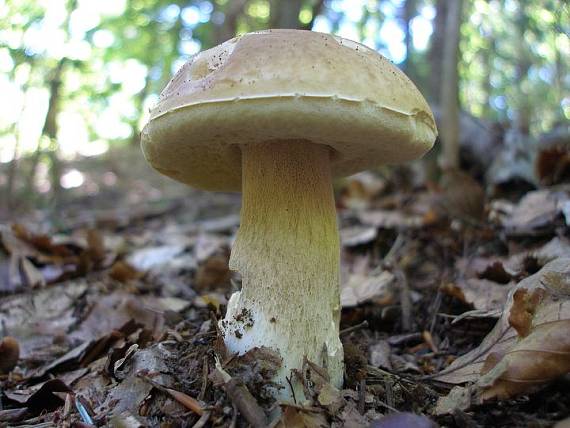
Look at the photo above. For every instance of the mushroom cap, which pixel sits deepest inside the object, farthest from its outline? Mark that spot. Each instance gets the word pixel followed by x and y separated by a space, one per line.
pixel 292 85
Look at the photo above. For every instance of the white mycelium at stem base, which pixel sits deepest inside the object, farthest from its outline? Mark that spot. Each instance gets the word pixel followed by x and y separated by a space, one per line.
pixel 287 251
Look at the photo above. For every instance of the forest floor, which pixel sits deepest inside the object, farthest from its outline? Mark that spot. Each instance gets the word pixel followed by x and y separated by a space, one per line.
pixel 456 308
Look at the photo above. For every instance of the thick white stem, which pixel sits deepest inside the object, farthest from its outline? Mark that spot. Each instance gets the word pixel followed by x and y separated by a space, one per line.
pixel 287 251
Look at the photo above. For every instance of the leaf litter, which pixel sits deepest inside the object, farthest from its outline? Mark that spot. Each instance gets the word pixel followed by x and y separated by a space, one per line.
pixel 449 306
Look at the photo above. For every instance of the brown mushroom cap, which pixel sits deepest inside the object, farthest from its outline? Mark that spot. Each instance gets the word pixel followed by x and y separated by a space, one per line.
pixel 279 85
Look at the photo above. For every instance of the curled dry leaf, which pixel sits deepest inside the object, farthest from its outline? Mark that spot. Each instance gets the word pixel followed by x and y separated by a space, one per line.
pixel 481 293
pixel 528 347
pixel 536 211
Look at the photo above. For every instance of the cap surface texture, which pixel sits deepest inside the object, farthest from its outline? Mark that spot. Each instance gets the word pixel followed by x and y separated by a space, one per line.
pixel 289 85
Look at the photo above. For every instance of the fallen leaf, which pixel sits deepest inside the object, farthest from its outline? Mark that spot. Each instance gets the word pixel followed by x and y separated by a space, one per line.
pixel 123 272
pixel 380 355
pixel 535 212
pixel 9 354
pixel 357 235
pixel 36 319
pixel 463 196
pixel 482 294
pixel 529 346
pixel 360 288
pixel 154 257
pixel 296 417
pixel 213 273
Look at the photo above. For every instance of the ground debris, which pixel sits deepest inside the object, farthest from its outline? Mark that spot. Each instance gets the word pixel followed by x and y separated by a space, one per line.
pixel 115 314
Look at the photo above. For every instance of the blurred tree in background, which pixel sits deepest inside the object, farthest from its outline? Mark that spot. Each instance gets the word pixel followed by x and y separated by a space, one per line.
pixel 78 76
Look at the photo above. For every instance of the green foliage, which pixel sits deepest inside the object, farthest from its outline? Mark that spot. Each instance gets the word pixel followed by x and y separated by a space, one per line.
pixel 120 54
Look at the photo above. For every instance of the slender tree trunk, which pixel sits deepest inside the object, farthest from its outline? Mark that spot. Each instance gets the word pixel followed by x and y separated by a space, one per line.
pixel 408 13
pixel 487 60
pixel 11 177
pixel 139 102
pixel 285 14
pixel 228 29
pixel 523 110
pixel 450 91
pixel 435 54
pixel 49 131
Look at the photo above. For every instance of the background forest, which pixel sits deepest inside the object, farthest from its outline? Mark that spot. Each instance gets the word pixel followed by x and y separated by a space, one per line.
pixel 78 77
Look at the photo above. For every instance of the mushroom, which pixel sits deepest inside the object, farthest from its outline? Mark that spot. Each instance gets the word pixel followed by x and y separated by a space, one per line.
pixel 276 114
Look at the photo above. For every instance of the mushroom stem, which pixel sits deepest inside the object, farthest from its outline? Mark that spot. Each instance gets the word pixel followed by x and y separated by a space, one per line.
pixel 287 251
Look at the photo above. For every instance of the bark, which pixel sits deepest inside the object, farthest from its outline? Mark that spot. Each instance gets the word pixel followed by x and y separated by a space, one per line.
pixel 449 130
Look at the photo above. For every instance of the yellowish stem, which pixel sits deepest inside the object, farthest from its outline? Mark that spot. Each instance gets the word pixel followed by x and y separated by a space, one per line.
pixel 287 251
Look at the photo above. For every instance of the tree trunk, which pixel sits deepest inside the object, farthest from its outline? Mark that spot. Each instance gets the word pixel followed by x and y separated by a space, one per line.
pixel 487 59
pixel 523 108
pixel 228 28
pixel 435 54
pixel 49 130
pixel 285 14
pixel 449 92
pixel 408 12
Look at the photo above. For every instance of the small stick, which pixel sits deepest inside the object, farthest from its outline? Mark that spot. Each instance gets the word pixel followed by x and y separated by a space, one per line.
pixel 205 371
pixel 184 399
pixel 245 402
pixel 362 397
pixel 356 327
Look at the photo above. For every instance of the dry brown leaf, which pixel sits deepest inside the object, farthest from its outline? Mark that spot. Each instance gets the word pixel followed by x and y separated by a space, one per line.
pixel 535 210
pixel 359 190
pixel 481 293
pixel 539 358
pixel 123 272
pixel 463 196
pixel 294 417
pixel 9 354
pixel 528 347
pixel 214 272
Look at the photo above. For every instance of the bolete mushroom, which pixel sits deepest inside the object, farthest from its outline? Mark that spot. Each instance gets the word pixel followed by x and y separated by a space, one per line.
pixel 276 114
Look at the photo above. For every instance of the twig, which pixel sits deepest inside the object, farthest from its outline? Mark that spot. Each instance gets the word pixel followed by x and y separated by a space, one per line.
pixel 241 397
pixel 347 330
pixel 184 399
pixel 389 394
pixel 203 420
pixel 288 379
pixel 362 397
pixel 233 423
pixel 245 402
pixel 205 371
pixel 302 408
pixel 405 300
